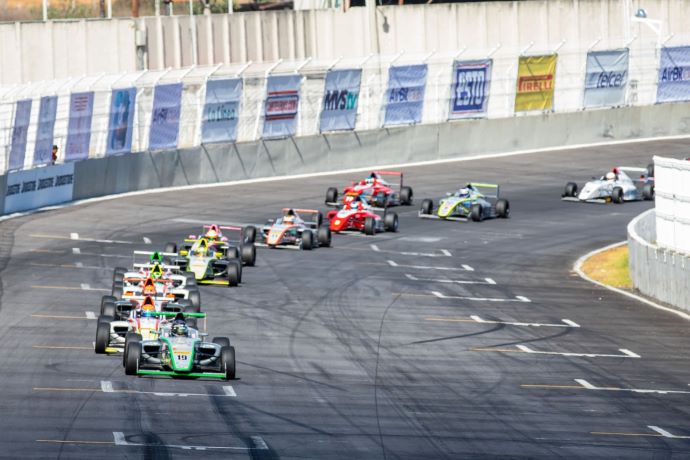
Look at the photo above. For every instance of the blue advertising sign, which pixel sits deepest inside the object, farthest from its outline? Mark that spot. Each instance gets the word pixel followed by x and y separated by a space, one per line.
pixel 165 117
pixel 674 75
pixel 79 126
pixel 121 121
pixel 341 94
pixel 606 78
pixel 470 91
pixel 405 95
pixel 281 105
pixel 22 117
pixel 221 110
pixel 43 151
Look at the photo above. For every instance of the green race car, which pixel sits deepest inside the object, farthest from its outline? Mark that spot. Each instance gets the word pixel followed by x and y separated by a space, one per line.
pixel 475 201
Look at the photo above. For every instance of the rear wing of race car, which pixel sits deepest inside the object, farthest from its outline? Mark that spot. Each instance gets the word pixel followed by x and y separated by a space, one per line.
pixel 172 314
pixel 634 173
pixel 392 173
pixel 233 231
pixel 488 190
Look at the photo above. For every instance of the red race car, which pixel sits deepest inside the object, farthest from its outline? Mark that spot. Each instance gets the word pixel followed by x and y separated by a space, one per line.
pixel 376 191
pixel 357 215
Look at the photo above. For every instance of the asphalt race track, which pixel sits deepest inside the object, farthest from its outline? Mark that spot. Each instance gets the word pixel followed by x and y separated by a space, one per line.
pixel 445 340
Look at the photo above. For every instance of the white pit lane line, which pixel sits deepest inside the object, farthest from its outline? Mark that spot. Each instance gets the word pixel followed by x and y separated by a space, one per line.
pixel 583 384
pixel 486 281
pixel 443 252
pixel 463 267
pixel 121 440
pixel 440 295
pixel 625 353
pixel 479 320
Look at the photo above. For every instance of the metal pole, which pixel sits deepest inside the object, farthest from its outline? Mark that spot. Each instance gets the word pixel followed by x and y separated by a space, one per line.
pixel 157 8
pixel 45 10
pixel 110 9
pixel 192 25
pixel 230 7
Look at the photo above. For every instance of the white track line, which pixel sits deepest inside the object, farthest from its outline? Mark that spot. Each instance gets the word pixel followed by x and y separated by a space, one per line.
pixel 626 353
pixel 85 286
pixel 229 391
pixel 106 386
pixel 567 322
pixel 444 252
pixel 74 236
pixel 147 240
pixel 76 251
pixel 588 386
pixel 90 315
pixel 578 269
pixel 120 440
pixel 466 268
pixel 517 298
pixel 435 280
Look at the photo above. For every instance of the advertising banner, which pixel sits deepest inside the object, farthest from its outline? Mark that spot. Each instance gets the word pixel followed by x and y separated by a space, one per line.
pixel 165 117
pixel 405 95
pixel 536 83
pixel 121 121
pixel 674 75
pixel 470 91
pixel 281 105
pixel 79 126
pixel 22 116
pixel 39 187
pixel 606 78
pixel 43 151
pixel 340 97
pixel 221 110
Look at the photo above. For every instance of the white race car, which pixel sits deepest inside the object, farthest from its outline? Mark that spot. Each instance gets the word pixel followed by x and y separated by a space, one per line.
pixel 618 185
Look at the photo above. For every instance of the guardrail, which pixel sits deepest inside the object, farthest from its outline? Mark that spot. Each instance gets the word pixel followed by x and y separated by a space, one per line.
pixel 660 273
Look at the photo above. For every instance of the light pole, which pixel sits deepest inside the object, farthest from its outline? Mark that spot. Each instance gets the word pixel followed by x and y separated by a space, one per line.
pixel 654 24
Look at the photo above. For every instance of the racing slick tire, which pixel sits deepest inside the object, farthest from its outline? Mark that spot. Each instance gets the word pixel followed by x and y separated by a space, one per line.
pixel 119 274
pixel 249 234
pixel 331 195
pixel 307 240
pixel 617 195
pixel 427 207
pixel 105 299
pixel 476 213
pixel 391 222
pixel 191 322
pixel 108 309
pixel 369 226
pixel 130 338
pixel 650 170
pixel 132 358
pixel 195 299
pixel 570 190
pixel 102 337
pixel 232 253
pixel 190 279
pixel 319 219
pixel 234 274
pixel 248 253
pixel 222 341
pixel 117 292
pixel 170 247
pixel 502 208
pixel 227 362
pixel 406 195
pixel 324 236
pixel 648 192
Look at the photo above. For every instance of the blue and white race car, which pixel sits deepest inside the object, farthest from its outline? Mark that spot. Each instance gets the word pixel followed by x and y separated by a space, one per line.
pixel 619 185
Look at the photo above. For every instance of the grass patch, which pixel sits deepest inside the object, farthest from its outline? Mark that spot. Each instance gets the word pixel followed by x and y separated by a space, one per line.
pixel 610 267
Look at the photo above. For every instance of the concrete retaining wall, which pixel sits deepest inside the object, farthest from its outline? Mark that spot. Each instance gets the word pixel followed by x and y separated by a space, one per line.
pixel 659 273
pixel 220 163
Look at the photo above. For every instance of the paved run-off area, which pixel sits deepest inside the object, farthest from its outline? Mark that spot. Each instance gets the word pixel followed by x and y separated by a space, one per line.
pixel 445 340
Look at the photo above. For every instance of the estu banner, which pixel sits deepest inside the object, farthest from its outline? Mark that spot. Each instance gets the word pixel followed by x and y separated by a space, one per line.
pixel 121 122
pixel 43 151
pixel 340 98
pixel 536 83
pixel 20 130
pixel 165 119
pixel 606 78
pixel 405 95
pixel 281 105
pixel 221 110
pixel 674 75
pixel 470 91
pixel 79 126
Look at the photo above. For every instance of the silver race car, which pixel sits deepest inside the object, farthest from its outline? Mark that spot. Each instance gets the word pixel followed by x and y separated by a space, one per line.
pixel 618 185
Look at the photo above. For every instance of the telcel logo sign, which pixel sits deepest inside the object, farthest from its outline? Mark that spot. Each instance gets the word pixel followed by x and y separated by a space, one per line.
pixel 611 79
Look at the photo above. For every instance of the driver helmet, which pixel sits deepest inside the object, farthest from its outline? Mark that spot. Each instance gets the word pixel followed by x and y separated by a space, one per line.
pixel 179 329
pixel 156 271
pixel 212 233
pixel 464 192
pixel 610 175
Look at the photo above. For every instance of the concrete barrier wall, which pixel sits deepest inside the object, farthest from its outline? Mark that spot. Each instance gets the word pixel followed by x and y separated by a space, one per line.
pixel 672 203
pixel 330 152
pixel 659 273
pixel 56 49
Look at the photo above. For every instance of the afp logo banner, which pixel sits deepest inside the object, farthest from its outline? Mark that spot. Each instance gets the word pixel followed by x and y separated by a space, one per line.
pixel 674 75
pixel 470 91
pixel 341 94
pixel 221 110
pixel 405 96
pixel 536 83
pixel 165 119
pixel 606 78
pixel 281 106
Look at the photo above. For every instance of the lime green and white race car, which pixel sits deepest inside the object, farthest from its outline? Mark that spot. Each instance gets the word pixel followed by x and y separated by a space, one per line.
pixel 475 201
